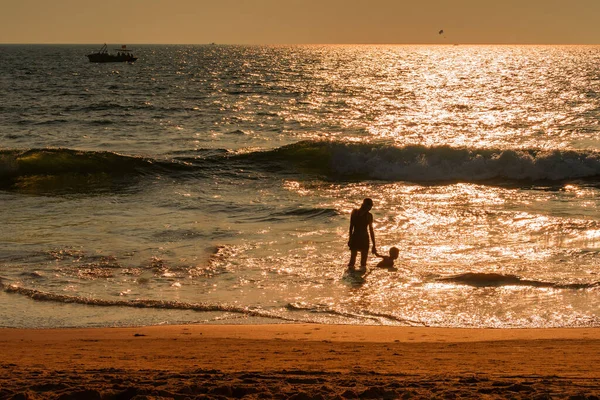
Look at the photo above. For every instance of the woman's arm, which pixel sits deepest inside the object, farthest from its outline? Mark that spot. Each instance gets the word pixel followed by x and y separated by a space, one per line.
pixel 372 233
pixel 351 227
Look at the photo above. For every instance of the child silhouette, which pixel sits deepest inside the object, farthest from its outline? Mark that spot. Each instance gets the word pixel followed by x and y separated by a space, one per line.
pixel 388 261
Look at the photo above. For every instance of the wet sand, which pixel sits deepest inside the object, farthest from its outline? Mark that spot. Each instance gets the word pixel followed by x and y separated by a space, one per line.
pixel 298 362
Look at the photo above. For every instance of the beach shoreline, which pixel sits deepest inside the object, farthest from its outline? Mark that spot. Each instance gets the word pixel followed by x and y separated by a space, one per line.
pixel 298 361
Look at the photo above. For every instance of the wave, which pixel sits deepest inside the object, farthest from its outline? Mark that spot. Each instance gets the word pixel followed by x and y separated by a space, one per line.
pixel 381 318
pixel 38 295
pixel 57 169
pixel 328 160
pixel 339 160
pixel 64 161
pixel 308 212
pixel 378 318
pixel 478 279
pixel 101 106
pixel 49 122
pixel 15 163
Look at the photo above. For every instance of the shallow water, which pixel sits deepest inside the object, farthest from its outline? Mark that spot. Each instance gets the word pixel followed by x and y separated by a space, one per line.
pixel 214 184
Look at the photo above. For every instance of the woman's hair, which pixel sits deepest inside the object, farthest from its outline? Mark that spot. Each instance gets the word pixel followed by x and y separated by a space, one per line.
pixel 367 202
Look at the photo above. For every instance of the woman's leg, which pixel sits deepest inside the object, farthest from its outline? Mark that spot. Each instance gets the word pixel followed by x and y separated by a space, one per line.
pixel 352 258
pixel 363 258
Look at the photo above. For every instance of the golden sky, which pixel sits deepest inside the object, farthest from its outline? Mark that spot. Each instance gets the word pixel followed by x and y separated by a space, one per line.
pixel 300 21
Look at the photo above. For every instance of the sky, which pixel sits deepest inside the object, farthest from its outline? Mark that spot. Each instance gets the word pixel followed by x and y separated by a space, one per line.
pixel 300 21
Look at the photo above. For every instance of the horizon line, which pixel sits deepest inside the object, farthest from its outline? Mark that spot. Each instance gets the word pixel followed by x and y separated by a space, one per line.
pixel 305 44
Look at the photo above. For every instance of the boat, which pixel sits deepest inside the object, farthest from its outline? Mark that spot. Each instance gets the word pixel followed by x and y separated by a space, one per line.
pixel 103 56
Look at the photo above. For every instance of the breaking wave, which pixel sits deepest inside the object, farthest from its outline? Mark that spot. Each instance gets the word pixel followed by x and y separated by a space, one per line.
pixel 363 316
pixel 496 280
pixel 139 303
pixel 337 160
pixel 318 311
pixel 327 160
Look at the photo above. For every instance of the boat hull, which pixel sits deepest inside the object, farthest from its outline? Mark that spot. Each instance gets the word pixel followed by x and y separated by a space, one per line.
pixel 108 58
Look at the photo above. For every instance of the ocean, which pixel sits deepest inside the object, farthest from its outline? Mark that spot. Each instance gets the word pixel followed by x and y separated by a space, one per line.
pixel 214 184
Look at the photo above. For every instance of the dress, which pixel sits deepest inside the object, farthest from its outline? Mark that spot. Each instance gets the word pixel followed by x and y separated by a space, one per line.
pixel 360 235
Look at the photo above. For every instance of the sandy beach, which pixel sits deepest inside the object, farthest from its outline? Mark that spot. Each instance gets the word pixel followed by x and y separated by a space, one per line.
pixel 298 362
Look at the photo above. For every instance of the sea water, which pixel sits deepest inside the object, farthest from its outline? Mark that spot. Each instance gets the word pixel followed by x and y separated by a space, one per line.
pixel 214 184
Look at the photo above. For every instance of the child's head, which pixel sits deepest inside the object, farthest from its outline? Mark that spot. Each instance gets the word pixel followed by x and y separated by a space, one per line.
pixel 394 252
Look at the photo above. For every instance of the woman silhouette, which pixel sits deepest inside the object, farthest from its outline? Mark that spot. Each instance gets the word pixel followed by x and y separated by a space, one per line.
pixel 360 220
